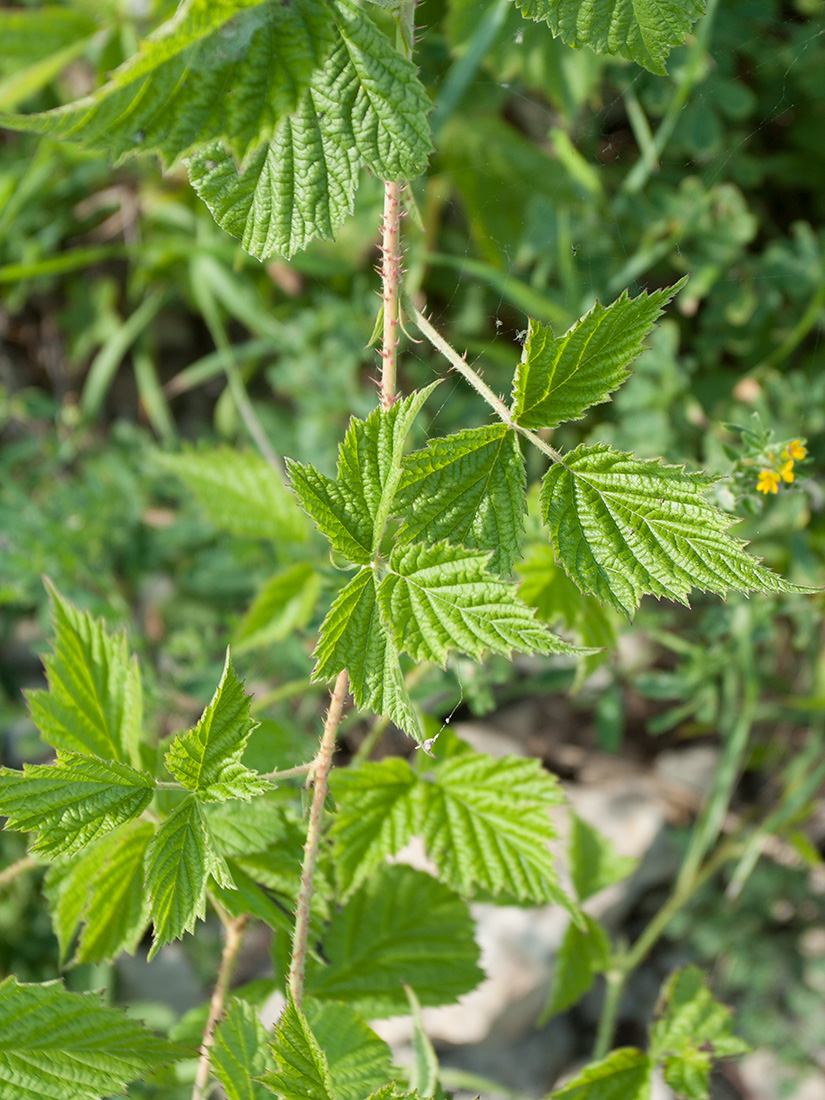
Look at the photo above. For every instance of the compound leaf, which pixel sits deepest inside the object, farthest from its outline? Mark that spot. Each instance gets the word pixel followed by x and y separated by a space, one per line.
pixel 377 814
pixel 56 1045
pixel 622 528
pixel 584 953
pixel 102 889
pixel 626 1074
pixel 180 859
pixel 302 1071
pixel 400 926
pixel 240 492
pixel 358 1060
pixel 644 31
pixel 207 759
pixel 240 1052
pixel 692 1030
pixel 94 701
pixel 486 823
pixel 353 636
pixel 442 597
pixel 230 70
pixel 468 488
pixel 560 379
pixel 72 802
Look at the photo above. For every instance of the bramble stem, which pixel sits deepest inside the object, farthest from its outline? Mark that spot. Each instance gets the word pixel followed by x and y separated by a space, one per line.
pixel 390 280
pixel 459 363
pixel 322 766
pixel 235 928
pixel 15 870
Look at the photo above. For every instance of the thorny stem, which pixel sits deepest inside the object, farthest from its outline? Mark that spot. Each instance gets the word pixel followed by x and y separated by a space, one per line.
pixel 15 870
pixel 459 363
pixel 322 766
pixel 235 928
pixel 390 280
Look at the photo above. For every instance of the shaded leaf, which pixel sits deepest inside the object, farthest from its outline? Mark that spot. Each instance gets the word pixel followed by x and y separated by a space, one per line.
pixel 302 1072
pixel 584 954
pixel 623 1075
pixel 594 862
pixel 240 1052
pixel 358 1060
pixel 285 603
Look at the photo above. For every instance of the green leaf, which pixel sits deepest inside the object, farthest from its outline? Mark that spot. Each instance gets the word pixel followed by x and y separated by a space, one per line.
pixel 240 492
pixel 560 379
pixel 354 636
pixel 94 701
pixel 644 31
pixel 247 898
pixel 207 759
pixel 353 510
pixel 240 829
pixel 29 36
pixel 486 823
pixel 424 1068
pixel 302 1072
pixel 241 1052
pixel 172 96
pixel 692 1031
pixel 622 528
pixel 358 1060
pixel 378 812
pixel 72 802
pixel 181 858
pixel 594 862
pixel 584 953
pixel 623 1075
pixel 302 183
pixel 56 1045
pixel 441 597
pixel 468 488
pixel 103 889
pixel 284 604
pixel 400 926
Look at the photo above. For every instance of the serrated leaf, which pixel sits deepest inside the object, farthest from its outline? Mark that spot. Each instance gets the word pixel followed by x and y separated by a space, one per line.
pixel 358 1060
pixel 644 31
pixel 623 1075
pixel 207 759
pixel 56 1045
pixel 442 597
pixel 247 898
pixel 172 96
pixel 240 492
pixel 302 183
pixel 103 889
pixel 693 1030
pixel 94 701
pixel 469 488
pixel 594 862
pixel 584 953
pixel 353 636
pixel 334 510
pixel 72 802
pixel 240 1052
pixel 486 823
pixel 302 1072
pixel 378 812
pixel 240 829
pixel 622 528
pixel 284 604
pixel 180 860
pixel 401 925
pixel 560 379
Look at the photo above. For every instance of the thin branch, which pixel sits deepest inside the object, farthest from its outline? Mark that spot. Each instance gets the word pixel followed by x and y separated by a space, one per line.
pixel 15 870
pixel 390 280
pixel 235 928
pixel 290 773
pixel 323 764
pixel 460 364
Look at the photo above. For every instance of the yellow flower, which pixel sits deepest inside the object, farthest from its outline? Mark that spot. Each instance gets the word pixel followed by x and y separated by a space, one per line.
pixel 786 471
pixel 768 482
pixel 795 449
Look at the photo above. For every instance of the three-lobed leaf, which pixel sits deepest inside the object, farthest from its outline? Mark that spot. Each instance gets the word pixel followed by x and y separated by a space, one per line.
pixel 69 1046
pixel 74 801
pixel 468 488
pixel 644 31
pixel 207 759
pixel 560 378
pixel 622 528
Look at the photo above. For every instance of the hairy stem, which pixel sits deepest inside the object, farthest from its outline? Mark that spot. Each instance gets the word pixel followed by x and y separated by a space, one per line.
pixel 390 281
pixel 235 928
pixel 15 870
pixel 460 364
pixel 322 766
